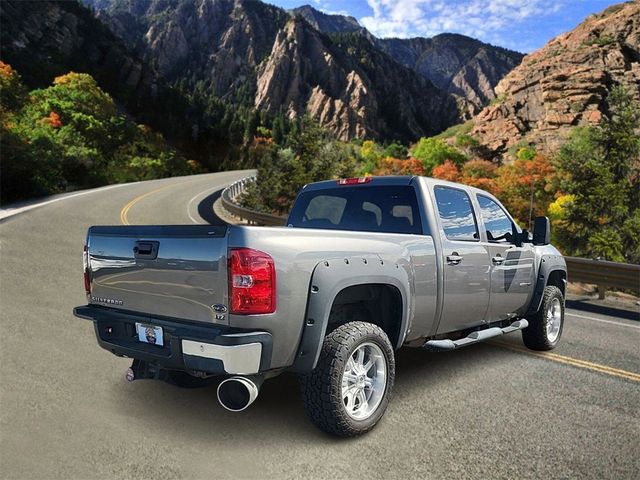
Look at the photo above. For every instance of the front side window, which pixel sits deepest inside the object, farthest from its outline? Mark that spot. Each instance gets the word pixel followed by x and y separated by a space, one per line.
pixel 499 227
pixel 456 214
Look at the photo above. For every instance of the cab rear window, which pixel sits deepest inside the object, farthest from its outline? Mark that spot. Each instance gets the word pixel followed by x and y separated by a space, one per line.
pixel 391 209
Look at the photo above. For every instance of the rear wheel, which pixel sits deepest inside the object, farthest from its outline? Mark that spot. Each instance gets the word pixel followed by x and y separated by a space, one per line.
pixel 545 327
pixel 349 390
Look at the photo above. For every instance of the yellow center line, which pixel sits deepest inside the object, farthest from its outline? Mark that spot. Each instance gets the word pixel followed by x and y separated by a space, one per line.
pixel 127 207
pixel 554 357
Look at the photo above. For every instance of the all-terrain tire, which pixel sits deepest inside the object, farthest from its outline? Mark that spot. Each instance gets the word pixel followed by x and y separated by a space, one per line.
pixel 539 335
pixel 322 388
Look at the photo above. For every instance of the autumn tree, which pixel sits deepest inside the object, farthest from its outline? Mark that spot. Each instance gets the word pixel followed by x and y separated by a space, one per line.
pixel 397 166
pixel 447 171
pixel 526 186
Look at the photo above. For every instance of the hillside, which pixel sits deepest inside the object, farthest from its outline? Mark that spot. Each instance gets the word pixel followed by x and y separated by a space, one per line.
pixel 564 84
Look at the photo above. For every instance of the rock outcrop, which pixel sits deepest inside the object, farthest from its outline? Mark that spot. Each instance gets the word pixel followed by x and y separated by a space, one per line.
pixel 565 83
pixel 307 72
pixel 457 64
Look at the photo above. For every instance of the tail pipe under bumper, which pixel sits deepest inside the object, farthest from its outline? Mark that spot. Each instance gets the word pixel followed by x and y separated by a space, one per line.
pixel 237 393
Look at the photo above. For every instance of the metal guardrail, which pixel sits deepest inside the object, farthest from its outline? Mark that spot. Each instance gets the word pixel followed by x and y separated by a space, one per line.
pixel 604 274
pixel 231 193
pixel 596 272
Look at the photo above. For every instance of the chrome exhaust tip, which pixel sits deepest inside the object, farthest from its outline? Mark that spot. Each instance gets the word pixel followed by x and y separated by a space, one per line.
pixel 237 393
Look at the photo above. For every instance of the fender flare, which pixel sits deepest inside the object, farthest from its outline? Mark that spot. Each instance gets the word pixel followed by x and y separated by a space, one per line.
pixel 548 265
pixel 328 279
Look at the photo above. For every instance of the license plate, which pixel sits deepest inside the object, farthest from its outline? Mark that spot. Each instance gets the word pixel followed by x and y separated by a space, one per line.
pixel 150 334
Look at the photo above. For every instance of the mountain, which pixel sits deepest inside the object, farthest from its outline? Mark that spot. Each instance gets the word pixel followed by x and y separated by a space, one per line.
pixel 459 65
pixel 564 84
pixel 209 63
pixel 349 86
pixel 255 54
pixel 46 39
pixel 328 23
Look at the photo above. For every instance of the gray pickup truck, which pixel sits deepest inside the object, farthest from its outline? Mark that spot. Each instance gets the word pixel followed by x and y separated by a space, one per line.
pixel 363 267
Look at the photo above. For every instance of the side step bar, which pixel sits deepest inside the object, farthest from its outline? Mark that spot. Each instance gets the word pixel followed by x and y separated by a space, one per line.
pixel 473 337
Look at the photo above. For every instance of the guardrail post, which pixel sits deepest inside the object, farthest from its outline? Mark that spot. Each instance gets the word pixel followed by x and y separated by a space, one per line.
pixel 602 290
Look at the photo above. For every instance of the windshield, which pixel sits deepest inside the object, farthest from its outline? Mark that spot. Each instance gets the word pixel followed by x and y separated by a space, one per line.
pixel 391 209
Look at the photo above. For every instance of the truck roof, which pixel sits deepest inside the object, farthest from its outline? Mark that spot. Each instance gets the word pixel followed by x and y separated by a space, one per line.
pixel 386 180
pixel 392 180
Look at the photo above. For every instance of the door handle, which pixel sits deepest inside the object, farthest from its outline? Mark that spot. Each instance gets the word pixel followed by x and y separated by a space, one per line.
pixel 454 259
pixel 146 250
pixel 497 260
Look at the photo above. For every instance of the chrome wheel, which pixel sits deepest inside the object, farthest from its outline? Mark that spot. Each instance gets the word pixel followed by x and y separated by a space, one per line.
pixel 364 381
pixel 554 320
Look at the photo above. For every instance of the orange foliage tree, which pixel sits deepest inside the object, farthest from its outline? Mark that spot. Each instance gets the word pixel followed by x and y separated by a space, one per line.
pixel 447 171
pixel 396 166
pixel 527 183
pixel 481 174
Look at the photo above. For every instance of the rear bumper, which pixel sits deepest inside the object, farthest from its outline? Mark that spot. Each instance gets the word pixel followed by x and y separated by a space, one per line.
pixel 212 349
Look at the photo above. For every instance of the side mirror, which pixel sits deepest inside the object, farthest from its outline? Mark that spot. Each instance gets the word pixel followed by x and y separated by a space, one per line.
pixel 541 231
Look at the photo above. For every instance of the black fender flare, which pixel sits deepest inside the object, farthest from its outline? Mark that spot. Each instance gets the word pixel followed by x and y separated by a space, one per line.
pixel 328 279
pixel 548 265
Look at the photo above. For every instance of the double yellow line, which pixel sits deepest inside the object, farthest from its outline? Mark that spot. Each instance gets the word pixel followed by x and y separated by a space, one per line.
pixel 127 207
pixel 595 367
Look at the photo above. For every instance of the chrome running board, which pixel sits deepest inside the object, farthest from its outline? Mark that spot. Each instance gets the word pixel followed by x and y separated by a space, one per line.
pixel 473 337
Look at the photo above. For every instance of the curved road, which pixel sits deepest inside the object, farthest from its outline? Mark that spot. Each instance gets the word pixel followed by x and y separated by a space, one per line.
pixel 488 411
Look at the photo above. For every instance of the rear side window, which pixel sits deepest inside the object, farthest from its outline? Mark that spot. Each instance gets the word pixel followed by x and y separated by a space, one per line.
pixel 456 214
pixel 391 209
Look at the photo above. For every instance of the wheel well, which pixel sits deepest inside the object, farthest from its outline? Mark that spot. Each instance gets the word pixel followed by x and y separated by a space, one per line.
pixel 380 304
pixel 558 278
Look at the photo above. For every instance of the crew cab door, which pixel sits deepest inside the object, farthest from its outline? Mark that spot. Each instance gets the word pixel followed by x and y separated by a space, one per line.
pixel 466 261
pixel 512 266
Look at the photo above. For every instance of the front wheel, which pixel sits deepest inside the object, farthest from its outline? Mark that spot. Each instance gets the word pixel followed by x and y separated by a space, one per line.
pixel 349 390
pixel 545 327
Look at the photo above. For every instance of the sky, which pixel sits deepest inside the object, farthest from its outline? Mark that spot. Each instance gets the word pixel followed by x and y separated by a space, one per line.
pixel 522 25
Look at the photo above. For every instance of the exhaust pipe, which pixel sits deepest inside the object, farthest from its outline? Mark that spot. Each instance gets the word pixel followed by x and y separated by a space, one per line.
pixel 237 393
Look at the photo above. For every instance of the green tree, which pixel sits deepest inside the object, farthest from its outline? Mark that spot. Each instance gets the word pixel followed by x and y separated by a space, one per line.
pixel 433 152
pixel 600 169
pixel 395 150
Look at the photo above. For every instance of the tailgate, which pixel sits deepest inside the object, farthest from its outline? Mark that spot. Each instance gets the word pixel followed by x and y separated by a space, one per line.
pixel 171 271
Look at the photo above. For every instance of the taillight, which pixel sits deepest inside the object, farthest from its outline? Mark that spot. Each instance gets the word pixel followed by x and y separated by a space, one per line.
pixel 252 282
pixel 87 272
pixel 354 181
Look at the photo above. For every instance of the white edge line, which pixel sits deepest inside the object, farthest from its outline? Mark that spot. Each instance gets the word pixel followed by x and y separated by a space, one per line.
pixel 210 189
pixel 603 320
pixel 10 212
pixel 193 199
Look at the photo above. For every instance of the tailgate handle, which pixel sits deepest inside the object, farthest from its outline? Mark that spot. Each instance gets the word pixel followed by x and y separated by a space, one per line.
pixel 146 250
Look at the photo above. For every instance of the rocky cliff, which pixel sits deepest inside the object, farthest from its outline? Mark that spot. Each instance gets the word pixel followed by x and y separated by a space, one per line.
pixel 565 83
pixel 349 86
pixel 328 23
pixel 459 65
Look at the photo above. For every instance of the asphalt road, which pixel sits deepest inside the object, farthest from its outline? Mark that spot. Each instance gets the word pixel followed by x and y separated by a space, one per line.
pixel 487 411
